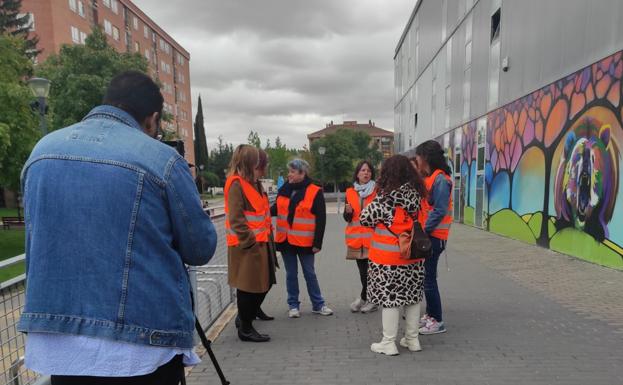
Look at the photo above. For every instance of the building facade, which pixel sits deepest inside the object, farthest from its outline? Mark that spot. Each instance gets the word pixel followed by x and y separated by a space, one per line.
pixel 525 96
pixel 384 139
pixel 59 22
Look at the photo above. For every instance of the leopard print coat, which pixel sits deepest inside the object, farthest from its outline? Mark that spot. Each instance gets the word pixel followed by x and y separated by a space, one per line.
pixel 393 286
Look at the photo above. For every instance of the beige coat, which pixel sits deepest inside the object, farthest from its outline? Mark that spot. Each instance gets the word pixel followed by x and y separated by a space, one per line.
pixel 251 265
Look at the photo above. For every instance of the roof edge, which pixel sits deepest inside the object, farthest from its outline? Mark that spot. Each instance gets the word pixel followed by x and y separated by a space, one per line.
pixel 406 29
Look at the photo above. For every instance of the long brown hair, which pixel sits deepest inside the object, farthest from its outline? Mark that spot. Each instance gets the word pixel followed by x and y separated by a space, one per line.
pixel 397 171
pixel 243 162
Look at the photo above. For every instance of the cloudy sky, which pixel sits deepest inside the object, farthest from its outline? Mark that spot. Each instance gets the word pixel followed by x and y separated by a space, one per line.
pixel 286 67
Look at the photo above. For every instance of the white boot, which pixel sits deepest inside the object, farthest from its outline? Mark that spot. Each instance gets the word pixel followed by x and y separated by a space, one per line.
pixel 412 317
pixel 391 317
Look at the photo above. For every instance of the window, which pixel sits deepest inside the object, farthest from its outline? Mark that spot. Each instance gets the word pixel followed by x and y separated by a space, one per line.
pixel 467 67
pixel 495 24
pixel 114 5
pixel 115 33
pixel 444 19
pixel 147 54
pixel 135 23
pixel 72 5
pixel 81 9
pixel 107 27
pixel 29 21
pixel 468 53
pixel 83 37
pixel 180 59
pixel 75 35
pixel 106 3
pixel 146 32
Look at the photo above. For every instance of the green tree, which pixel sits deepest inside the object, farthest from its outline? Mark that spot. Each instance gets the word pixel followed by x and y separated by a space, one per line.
pixel 79 75
pixel 18 24
pixel 343 150
pixel 254 139
pixel 279 156
pixel 220 159
pixel 18 124
pixel 201 145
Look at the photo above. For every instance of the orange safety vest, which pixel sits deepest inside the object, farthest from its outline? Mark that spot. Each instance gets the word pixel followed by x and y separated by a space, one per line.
pixel 443 229
pixel 258 220
pixel 303 228
pixel 357 236
pixel 384 248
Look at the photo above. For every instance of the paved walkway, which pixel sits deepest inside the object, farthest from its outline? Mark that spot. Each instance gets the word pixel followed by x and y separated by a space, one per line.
pixel 516 314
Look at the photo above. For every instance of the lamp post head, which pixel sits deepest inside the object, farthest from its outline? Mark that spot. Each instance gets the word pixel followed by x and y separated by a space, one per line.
pixel 322 150
pixel 39 87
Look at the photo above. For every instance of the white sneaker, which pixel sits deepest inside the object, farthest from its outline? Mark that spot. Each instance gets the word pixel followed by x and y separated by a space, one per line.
pixel 385 347
pixel 294 313
pixel 324 310
pixel 413 346
pixel 369 307
pixel 357 305
pixel 424 320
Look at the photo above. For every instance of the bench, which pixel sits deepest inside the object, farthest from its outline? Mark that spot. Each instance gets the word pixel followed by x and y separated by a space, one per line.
pixel 15 221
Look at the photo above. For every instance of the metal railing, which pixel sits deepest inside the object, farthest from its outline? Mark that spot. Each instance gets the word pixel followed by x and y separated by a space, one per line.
pixel 211 292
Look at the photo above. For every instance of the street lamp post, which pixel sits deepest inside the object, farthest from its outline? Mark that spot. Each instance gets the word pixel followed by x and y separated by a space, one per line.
pixel 322 150
pixel 40 88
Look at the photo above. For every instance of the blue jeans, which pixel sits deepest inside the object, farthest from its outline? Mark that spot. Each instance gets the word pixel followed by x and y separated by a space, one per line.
pixel 292 279
pixel 431 290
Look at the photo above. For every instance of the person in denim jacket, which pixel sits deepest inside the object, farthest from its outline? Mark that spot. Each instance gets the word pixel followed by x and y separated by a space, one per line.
pixel 112 218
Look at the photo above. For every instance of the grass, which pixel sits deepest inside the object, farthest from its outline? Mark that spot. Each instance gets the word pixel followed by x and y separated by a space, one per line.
pixel 11 245
pixel 4 212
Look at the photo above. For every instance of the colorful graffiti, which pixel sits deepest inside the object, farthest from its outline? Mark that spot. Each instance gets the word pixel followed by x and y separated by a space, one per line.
pixel 552 165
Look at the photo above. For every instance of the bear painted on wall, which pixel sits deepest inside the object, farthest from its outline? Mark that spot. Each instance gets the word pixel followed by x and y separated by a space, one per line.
pixel 587 181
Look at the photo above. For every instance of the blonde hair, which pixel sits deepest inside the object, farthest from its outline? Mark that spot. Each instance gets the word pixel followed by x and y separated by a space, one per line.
pixel 244 161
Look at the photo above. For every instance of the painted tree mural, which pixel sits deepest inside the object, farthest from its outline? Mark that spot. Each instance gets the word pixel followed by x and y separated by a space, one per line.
pixel 552 164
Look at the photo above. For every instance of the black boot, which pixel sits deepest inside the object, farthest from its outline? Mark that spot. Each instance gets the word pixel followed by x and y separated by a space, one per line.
pixel 237 321
pixel 263 316
pixel 248 333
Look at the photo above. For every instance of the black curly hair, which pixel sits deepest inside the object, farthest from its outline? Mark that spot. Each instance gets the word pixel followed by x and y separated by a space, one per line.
pixel 433 154
pixel 397 171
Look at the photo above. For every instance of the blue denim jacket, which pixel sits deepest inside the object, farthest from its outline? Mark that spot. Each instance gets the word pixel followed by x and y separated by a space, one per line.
pixel 112 216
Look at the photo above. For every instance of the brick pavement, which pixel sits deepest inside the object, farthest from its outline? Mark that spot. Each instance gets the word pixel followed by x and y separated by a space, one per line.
pixel 516 314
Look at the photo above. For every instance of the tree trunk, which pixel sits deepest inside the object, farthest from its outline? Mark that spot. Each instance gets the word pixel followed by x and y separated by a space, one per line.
pixel 543 239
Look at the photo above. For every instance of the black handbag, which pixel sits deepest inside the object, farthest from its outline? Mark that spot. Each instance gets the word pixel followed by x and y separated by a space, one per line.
pixel 414 244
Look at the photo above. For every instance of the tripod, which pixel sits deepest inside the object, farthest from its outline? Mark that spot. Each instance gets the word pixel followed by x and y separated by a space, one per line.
pixel 207 344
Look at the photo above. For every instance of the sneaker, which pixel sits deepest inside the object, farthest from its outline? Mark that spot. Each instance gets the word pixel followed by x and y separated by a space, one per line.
pixel 369 307
pixel 294 313
pixel 433 327
pixel 324 310
pixel 423 320
pixel 357 305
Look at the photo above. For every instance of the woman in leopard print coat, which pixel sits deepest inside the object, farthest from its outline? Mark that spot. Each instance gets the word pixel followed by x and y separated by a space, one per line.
pixel 396 283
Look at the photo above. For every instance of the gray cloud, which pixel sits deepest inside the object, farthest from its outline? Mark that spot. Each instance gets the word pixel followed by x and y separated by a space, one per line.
pixel 286 67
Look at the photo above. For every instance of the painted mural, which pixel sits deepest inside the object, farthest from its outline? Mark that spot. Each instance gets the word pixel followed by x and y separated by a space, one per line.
pixel 551 166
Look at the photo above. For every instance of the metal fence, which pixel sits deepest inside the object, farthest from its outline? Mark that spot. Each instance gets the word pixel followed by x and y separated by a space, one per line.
pixel 211 291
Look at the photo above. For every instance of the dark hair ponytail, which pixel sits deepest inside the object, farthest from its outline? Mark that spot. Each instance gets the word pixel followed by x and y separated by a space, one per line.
pixel 434 155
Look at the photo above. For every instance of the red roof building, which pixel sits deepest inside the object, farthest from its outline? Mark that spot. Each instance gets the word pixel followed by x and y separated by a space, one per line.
pixel 383 138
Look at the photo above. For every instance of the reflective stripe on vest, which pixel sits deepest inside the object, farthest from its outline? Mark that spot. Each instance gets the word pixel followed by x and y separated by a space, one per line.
pixel 443 228
pixel 384 248
pixel 355 235
pixel 303 229
pixel 258 221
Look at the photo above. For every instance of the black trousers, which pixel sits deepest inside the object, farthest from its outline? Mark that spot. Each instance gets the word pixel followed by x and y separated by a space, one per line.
pixel 170 373
pixel 248 305
pixel 362 265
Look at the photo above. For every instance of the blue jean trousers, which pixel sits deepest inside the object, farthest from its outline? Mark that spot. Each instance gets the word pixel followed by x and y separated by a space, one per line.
pixel 292 279
pixel 431 289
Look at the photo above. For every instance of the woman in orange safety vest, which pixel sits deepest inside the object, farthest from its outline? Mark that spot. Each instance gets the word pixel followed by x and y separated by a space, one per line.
pixel 436 218
pixel 247 231
pixel 394 282
pixel 356 236
pixel 301 220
